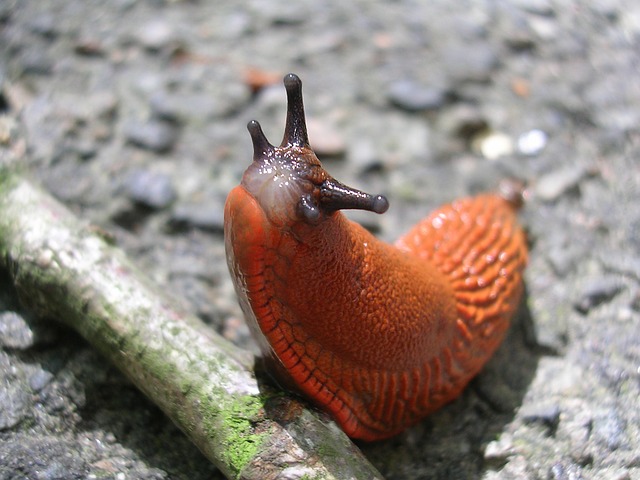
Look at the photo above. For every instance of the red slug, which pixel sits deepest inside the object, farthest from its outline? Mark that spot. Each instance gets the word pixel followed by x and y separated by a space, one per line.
pixel 377 335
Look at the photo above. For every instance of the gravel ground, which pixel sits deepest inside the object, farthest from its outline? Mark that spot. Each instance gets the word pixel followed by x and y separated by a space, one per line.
pixel 133 114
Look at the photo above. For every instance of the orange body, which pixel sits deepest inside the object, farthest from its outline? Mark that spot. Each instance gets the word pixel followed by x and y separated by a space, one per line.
pixel 380 335
pixel 377 335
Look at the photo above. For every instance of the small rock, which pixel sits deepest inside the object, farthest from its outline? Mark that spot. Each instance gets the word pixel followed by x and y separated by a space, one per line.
pixel 563 258
pixel 205 216
pixel 498 451
pixel 325 140
pixel 284 13
pixel 413 97
pixel 492 145
pixel 548 333
pixel 14 331
pixel 156 34
pixel 91 47
pixel 560 471
pixel 532 142
pixel 608 429
pixel 363 154
pixel 544 414
pixel 624 262
pixel 45 25
pixel 184 107
pixel 598 291
pixel 539 7
pixel 36 62
pixel 155 190
pixel 14 404
pixel 545 28
pixel 554 184
pixel 40 379
pixel 154 135
pixel 464 121
pixel 612 473
pixel 470 63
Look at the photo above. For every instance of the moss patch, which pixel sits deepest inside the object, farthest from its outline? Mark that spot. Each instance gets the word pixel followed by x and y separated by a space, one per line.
pixel 241 442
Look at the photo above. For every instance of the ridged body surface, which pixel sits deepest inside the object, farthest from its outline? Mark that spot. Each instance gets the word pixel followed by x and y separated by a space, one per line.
pixel 378 335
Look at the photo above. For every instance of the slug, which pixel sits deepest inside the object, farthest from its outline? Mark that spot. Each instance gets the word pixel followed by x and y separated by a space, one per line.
pixel 377 335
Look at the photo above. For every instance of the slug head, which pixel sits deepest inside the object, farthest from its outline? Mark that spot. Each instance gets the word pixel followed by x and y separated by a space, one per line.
pixel 289 182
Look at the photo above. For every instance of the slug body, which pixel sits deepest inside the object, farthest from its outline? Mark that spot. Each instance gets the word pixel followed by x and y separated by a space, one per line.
pixel 377 335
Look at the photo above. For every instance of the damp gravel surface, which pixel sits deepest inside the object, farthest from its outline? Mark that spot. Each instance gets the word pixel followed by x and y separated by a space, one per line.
pixel 133 114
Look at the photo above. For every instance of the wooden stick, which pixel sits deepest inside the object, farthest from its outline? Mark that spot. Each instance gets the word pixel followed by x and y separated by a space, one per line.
pixel 63 270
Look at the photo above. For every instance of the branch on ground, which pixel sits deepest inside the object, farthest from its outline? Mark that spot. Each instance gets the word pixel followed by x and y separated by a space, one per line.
pixel 63 270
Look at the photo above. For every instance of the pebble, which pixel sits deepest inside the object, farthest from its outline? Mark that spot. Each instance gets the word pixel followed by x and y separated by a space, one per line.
pixel 40 379
pixel 596 292
pixel 624 262
pixel 412 96
pixel 45 25
pixel 497 452
pixel 152 189
pixel 563 258
pixel 156 34
pixel 14 404
pixel 546 414
pixel 325 139
pixel 463 120
pixel 36 62
pixel 184 107
pixel 554 184
pixel 539 7
pixel 91 47
pixel 561 471
pixel 283 12
pixel 154 135
pixel 492 145
pixel 470 63
pixel 388 140
pixel 14 331
pixel 206 215
pixel 532 142
pixel 550 332
pixel 613 103
pixel 608 429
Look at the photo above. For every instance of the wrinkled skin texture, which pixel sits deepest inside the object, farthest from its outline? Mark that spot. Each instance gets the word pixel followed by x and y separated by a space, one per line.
pixel 377 335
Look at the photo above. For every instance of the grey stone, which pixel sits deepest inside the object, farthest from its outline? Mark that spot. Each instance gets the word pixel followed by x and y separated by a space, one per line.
pixel 474 62
pixel 153 135
pixel 625 263
pixel 608 429
pixel 325 139
pixel 562 471
pixel 558 182
pixel 547 414
pixel 203 215
pixel 15 401
pixel 36 62
pixel 540 7
pixel 149 188
pixel 14 331
pixel 39 379
pixel 156 34
pixel 597 291
pixel 412 96
pixel 45 25
pixel 183 108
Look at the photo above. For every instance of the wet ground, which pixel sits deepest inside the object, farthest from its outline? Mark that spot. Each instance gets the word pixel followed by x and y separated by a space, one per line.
pixel 133 114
